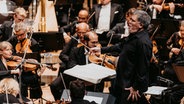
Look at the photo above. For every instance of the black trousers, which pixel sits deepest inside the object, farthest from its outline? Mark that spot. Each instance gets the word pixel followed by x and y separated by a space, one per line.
pixel 31 81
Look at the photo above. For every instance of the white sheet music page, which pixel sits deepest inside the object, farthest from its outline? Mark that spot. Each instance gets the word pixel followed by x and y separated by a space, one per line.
pixel 91 72
pixel 155 90
pixel 98 100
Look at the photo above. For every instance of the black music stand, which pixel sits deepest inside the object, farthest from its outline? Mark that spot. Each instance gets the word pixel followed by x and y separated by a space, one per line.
pixel 106 98
pixel 49 41
pixel 166 94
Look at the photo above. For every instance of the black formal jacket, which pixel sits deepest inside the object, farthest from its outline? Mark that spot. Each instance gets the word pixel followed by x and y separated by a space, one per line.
pixel 4 72
pixel 69 28
pixel 12 99
pixel 34 44
pixel 77 57
pixel 134 61
pixel 116 14
pixel 6 30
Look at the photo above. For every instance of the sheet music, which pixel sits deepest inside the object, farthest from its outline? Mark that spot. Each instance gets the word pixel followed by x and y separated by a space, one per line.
pixel 98 100
pixel 91 72
pixel 155 90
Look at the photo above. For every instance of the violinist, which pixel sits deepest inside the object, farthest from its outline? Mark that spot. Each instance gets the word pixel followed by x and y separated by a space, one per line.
pixel 175 45
pixel 6 55
pixel 70 29
pixel 21 41
pixel 81 29
pixel 120 30
pixel 22 44
pixel 6 29
pixel 164 9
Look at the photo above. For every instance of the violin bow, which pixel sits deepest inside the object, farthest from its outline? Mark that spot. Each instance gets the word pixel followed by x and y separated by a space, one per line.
pixel 90 16
pixel 107 45
pixel 80 42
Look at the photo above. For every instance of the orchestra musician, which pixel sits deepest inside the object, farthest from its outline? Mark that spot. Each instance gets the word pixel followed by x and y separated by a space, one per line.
pixel 77 92
pixel 175 45
pixel 9 89
pixel 132 72
pixel 120 30
pixel 81 29
pixel 28 78
pixel 78 56
pixel 107 15
pixel 70 29
pixel 6 29
pixel 166 9
pixel 6 55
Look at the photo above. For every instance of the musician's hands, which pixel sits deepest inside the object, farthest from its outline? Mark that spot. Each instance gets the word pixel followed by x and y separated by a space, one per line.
pixel 172 8
pixel 66 38
pixel 157 7
pixel 95 50
pixel 42 69
pixel 110 33
pixel 16 58
pixel 176 51
pixel 134 94
pixel 16 71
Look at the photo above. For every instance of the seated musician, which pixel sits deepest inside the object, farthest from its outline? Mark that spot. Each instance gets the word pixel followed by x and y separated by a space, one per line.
pixel 81 29
pixel 107 15
pixel 165 9
pixel 77 92
pixel 6 55
pixel 70 29
pixel 22 44
pixel 175 45
pixel 9 89
pixel 78 56
pixel 120 30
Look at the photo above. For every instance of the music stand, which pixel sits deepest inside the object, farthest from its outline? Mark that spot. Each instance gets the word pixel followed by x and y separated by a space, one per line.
pixel 49 41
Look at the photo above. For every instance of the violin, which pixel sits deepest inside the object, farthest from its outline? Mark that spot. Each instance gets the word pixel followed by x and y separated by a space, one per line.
pixel 26 66
pixel 23 46
pixel 105 60
pixel 167 7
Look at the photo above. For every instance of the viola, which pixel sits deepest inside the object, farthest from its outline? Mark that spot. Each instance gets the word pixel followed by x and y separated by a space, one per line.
pixel 23 46
pixel 105 60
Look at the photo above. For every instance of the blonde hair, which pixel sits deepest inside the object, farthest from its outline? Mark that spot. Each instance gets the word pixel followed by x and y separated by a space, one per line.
pixel 9 86
pixel 21 11
pixel 5 45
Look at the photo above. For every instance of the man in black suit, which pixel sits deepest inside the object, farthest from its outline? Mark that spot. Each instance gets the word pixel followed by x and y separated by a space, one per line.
pixel 107 15
pixel 6 29
pixel 78 38
pixel 78 55
pixel 77 92
pixel 132 72
pixel 70 29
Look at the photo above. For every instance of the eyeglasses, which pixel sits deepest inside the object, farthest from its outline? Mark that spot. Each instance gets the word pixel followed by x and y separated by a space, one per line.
pixel 17 35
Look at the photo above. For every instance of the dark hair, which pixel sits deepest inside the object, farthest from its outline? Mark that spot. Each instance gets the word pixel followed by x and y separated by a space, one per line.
pixel 77 89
